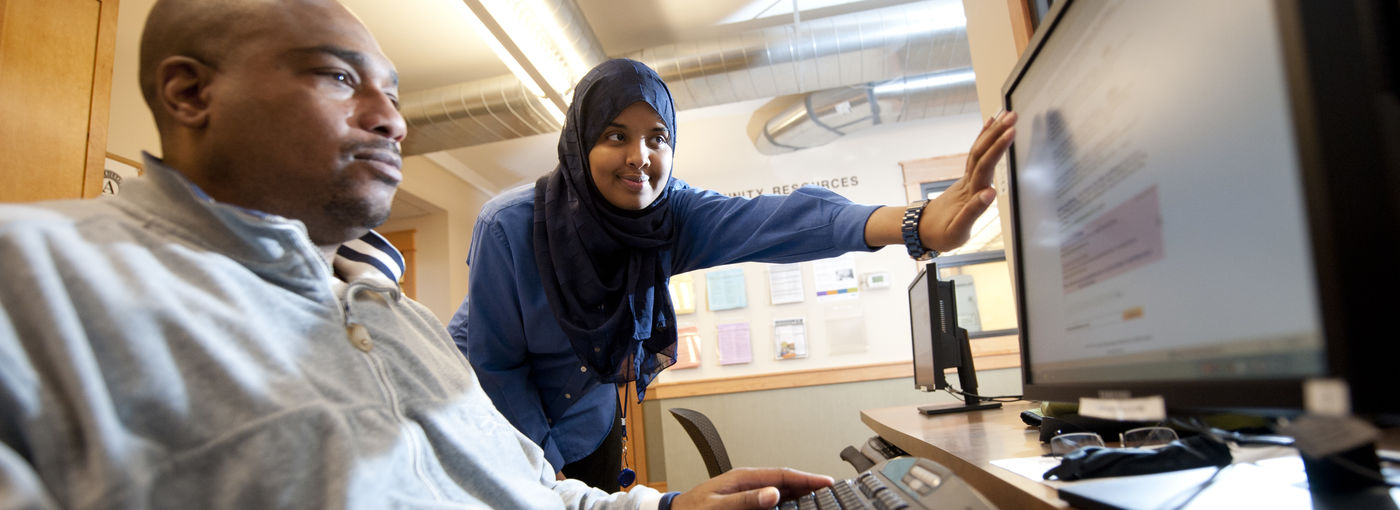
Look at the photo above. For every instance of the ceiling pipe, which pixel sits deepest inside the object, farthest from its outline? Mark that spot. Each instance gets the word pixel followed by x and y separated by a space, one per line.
pixel 838 51
pixel 854 49
pixel 821 117
pixel 473 113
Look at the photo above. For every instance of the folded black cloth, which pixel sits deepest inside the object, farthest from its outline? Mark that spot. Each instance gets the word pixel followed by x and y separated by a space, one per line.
pixel 1098 461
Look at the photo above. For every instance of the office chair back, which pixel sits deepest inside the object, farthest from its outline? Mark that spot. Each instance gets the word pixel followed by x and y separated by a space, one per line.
pixel 706 439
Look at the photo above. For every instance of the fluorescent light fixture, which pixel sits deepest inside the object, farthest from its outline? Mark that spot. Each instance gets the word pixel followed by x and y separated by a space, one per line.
pixel 943 16
pixel 528 36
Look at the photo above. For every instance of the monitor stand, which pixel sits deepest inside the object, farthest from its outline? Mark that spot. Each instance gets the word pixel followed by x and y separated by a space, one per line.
pixel 967 378
pixel 958 408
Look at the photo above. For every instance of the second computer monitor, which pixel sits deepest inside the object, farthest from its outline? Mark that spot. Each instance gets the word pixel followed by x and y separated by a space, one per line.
pixel 933 324
pixel 940 344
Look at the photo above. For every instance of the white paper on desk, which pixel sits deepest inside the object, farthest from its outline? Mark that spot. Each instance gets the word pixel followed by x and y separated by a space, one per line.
pixel 1030 467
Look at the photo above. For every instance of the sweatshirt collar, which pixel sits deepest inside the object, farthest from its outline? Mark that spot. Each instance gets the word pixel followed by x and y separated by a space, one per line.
pixel 369 255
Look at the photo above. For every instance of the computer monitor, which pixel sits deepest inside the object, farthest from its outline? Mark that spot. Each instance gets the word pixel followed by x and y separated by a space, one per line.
pixel 1204 203
pixel 939 344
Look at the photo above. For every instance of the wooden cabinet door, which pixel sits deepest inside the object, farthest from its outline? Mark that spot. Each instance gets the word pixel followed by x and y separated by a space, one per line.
pixel 55 90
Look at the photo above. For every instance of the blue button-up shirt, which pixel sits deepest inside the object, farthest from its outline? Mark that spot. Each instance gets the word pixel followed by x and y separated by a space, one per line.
pixel 522 357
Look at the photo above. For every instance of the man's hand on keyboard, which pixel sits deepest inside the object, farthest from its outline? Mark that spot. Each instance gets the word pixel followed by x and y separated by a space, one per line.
pixel 749 488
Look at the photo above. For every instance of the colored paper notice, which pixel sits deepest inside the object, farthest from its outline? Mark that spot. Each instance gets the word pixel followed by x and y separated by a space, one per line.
pixel 734 346
pixel 683 293
pixel 836 277
pixel 790 338
pixel 785 283
pixel 725 289
pixel 687 347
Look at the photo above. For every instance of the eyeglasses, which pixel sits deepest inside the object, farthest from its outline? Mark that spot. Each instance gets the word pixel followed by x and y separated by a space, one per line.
pixel 1146 437
pixel 1142 437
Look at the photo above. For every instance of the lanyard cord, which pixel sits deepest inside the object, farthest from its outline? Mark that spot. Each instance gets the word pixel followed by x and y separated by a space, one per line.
pixel 627 475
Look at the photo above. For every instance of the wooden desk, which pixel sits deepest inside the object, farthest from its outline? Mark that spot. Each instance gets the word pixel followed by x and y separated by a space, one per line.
pixel 967 443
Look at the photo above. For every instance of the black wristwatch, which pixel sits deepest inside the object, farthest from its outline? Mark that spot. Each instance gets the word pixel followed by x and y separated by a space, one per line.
pixel 909 229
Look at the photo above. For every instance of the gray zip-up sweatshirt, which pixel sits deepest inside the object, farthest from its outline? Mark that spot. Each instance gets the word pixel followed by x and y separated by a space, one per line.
pixel 160 350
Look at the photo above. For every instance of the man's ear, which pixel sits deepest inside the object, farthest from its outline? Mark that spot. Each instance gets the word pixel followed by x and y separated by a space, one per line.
pixel 182 87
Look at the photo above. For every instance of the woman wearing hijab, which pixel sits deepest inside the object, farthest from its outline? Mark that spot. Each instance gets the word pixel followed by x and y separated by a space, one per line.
pixel 568 290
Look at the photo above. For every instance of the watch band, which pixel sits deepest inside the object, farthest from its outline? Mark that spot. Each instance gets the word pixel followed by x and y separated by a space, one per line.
pixel 909 230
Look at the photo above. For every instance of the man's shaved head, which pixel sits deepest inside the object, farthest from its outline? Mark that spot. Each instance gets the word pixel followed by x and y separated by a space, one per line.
pixel 205 31
pixel 282 106
pixel 212 30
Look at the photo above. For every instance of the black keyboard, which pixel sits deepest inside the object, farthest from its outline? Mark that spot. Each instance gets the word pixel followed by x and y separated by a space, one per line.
pixel 911 483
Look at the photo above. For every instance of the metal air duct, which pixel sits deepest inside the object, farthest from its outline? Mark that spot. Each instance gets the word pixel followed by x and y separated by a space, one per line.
pixel 473 113
pixel 825 53
pixel 823 116
pixel 853 49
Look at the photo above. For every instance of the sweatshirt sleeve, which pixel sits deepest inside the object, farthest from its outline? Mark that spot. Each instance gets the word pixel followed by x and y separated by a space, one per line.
pixel 23 313
pixel 20 486
pixel 578 496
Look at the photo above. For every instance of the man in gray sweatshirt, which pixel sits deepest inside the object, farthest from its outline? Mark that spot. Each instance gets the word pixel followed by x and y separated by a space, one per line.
pixel 228 333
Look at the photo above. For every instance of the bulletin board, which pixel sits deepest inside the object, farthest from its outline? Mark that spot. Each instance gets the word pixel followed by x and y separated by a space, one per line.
pixel 758 319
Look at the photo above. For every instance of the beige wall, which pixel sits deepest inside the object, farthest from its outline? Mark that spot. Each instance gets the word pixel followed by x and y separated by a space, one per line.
pixel 132 129
pixel 991 35
pixel 993 46
pixel 443 235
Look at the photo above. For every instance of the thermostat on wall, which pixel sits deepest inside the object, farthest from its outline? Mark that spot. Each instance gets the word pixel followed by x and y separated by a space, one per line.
pixel 877 280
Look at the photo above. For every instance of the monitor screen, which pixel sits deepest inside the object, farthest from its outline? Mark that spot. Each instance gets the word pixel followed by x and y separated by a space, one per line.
pixel 1162 239
pixel 933 323
pixel 924 335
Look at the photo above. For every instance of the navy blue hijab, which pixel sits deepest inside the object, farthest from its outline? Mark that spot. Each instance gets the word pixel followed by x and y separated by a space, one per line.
pixel 601 266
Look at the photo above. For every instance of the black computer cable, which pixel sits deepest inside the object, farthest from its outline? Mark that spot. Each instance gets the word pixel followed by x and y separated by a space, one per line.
pixel 955 392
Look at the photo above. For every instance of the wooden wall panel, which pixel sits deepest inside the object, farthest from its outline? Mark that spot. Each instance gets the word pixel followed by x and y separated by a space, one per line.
pixel 55 88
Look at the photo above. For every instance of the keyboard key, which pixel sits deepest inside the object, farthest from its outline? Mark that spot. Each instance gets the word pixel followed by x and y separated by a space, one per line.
pixel 890 500
pixel 847 496
pixel 870 485
pixel 867 491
